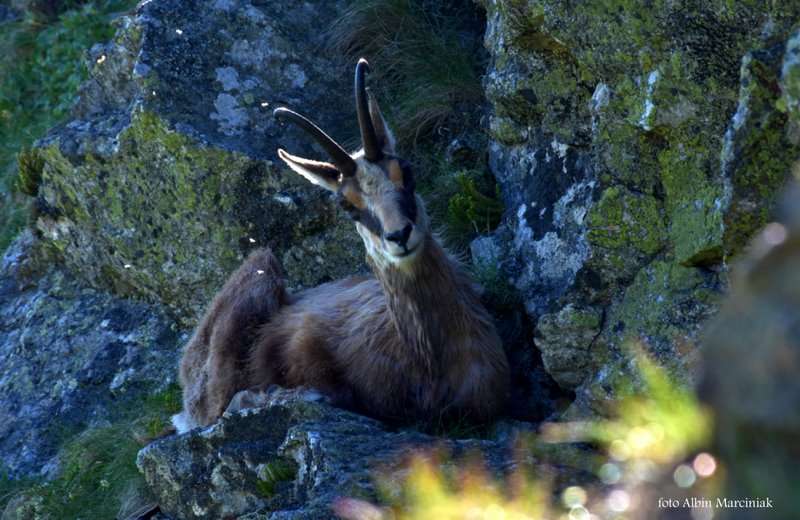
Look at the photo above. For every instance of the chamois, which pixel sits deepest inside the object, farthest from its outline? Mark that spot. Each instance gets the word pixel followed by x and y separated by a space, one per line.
pixel 413 342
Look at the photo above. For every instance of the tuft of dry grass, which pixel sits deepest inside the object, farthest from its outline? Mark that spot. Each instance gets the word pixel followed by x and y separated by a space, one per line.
pixel 424 56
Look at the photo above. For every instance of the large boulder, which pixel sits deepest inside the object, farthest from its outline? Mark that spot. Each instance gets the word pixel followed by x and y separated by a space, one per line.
pixel 70 358
pixel 167 174
pixel 637 148
pixel 162 181
pixel 290 456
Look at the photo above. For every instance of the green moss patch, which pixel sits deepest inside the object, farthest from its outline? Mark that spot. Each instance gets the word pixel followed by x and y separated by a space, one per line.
pixel 694 205
pixel 156 220
pixel 622 220
pixel 272 474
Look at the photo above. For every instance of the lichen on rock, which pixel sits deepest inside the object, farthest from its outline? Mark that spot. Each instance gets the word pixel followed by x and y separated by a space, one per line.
pixel 70 357
pixel 167 176
pixel 675 120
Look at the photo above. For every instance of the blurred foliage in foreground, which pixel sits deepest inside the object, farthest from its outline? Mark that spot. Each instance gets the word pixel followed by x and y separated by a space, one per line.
pixel 646 451
pixel 41 66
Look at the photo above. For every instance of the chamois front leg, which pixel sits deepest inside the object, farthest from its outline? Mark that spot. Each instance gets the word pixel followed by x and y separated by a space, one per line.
pixel 214 363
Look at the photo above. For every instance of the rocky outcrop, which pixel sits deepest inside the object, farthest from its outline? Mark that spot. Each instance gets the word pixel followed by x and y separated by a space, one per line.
pixel 637 147
pixel 162 181
pixel 166 176
pixel 290 457
pixel 71 357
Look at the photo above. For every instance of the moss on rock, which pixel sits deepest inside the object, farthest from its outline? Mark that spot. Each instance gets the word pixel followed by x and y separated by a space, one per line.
pixel 663 309
pixel 622 219
pixel 564 339
pixel 166 218
pixel 157 219
pixel 790 85
pixel 694 205
pixel 757 156
pixel 624 228
pixel 167 175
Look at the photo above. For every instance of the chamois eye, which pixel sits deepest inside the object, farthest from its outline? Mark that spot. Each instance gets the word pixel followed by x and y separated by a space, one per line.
pixel 348 207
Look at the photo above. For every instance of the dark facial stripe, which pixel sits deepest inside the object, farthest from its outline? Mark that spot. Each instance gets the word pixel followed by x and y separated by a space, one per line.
pixel 367 219
pixel 363 216
pixel 408 202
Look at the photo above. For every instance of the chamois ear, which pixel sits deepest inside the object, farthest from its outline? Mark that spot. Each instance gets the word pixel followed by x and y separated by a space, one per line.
pixel 386 139
pixel 318 172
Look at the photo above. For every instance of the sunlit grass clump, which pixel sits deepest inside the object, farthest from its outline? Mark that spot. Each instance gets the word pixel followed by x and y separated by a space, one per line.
pixel 647 450
pixel 661 422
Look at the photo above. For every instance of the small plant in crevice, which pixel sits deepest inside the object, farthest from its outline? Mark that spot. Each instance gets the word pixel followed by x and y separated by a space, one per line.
pixel 271 474
pixel 465 203
pixel 29 167
pixel 471 210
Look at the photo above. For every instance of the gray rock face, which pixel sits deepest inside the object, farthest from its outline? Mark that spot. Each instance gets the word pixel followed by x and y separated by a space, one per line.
pixel 69 357
pixel 638 148
pixel 167 176
pixel 547 192
pixel 292 457
pixel 560 337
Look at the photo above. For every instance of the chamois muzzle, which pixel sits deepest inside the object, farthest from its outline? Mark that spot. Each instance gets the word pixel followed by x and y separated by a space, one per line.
pixel 342 160
pixel 401 236
pixel 369 139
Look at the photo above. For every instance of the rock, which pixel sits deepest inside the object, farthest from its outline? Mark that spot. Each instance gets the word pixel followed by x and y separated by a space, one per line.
pixel 167 175
pixel 564 339
pixel 289 458
pixel 752 358
pixel 626 229
pixel 70 357
pixel 637 148
pixel 756 153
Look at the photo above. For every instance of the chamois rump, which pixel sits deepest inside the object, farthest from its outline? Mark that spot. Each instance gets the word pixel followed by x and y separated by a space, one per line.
pixel 413 342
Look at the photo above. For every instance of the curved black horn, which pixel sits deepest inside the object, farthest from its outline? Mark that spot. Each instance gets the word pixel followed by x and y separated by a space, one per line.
pixel 341 159
pixel 369 139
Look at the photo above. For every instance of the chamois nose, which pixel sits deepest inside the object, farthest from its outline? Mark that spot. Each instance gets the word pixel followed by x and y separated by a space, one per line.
pixel 400 237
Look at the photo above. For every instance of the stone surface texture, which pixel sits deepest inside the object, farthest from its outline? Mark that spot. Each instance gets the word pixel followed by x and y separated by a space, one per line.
pixel 638 146
pixel 168 175
pixel 70 358
pixel 228 470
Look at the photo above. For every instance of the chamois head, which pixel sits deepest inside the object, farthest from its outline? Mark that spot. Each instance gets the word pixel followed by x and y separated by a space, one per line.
pixel 374 185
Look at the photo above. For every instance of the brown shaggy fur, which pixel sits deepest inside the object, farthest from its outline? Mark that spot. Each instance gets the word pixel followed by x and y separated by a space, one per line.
pixel 405 345
pixel 215 359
